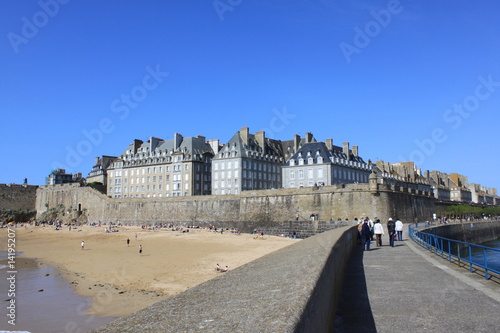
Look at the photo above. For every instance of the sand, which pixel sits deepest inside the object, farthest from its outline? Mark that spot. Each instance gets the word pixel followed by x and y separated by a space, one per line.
pixel 121 281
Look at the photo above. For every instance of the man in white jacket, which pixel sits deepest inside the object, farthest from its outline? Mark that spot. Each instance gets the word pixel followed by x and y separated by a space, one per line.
pixel 378 230
pixel 399 229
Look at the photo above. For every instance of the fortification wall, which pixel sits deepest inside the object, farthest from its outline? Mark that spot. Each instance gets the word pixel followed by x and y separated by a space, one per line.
pixel 475 233
pixel 17 197
pixel 267 210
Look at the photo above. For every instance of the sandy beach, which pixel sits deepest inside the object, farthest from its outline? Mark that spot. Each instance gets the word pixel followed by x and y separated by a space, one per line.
pixel 119 279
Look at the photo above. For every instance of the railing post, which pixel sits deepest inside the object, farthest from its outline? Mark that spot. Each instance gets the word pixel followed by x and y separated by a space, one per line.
pixel 485 256
pixel 470 259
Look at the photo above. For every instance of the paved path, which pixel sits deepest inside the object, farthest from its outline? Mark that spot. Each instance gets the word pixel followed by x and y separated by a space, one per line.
pixel 404 289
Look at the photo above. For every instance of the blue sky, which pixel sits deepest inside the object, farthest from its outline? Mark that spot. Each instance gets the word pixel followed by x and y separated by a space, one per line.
pixel 403 80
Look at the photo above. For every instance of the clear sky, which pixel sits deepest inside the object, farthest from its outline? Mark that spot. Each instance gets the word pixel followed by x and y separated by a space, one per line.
pixel 404 80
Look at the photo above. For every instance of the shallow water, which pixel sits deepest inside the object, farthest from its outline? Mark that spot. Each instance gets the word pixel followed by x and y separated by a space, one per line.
pixel 44 301
pixel 493 256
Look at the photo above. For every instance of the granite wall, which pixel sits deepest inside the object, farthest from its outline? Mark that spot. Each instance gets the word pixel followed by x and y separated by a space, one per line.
pixel 266 210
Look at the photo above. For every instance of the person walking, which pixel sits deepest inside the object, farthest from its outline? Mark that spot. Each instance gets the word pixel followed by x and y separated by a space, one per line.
pixel 128 242
pixel 379 231
pixel 140 250
pixel 399 229
pixel 366 235
pixel 391 229
pixel 83 245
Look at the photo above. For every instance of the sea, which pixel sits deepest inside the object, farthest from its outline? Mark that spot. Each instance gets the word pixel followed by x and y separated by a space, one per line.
pixel 493 256
pixel 44 301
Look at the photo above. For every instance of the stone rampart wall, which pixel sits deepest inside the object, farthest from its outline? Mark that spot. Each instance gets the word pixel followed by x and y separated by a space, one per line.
pixel 17 197
pixel 475 233
pixel 294 289
pixel 262 210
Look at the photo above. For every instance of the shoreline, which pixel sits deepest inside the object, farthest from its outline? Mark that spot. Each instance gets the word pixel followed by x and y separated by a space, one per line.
pixel 44 301
pixel 119 280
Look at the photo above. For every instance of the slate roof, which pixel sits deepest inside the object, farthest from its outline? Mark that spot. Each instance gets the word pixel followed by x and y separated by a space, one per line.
pixel 319 149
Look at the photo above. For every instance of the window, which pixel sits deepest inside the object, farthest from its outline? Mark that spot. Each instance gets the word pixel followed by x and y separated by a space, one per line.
pixel 186 176
pixel 292 174
pixel 320 173
pixel 301 174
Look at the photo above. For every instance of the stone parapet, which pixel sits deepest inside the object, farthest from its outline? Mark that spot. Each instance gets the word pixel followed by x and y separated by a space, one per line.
pixel 294 289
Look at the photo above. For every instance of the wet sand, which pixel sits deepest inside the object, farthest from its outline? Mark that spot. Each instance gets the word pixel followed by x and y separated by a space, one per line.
pixel 118 279
pixel 44 301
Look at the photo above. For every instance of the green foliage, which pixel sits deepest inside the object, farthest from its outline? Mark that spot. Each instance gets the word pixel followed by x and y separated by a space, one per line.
pixel 464 211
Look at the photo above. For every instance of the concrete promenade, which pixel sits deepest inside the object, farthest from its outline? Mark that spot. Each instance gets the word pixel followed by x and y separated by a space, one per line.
pixel 405 289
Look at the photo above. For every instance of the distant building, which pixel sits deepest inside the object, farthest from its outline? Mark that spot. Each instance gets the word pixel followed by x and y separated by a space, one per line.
pixel 247 162
pixel 440 184
pixel 459 190
pixel 322 163
pixel 402 174
pixel 59 176
pixel 163 168
pixel 99 172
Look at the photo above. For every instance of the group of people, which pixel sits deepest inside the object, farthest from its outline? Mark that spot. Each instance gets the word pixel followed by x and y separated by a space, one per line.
pixel 367 229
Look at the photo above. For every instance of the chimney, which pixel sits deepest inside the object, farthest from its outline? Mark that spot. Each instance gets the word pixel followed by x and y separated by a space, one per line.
pixel 296 143
pixel 355 151
pixel 153 143
pixel 345 150
pixel 260 137
pixel 96 160
pixel 202 138
pixel 329 144
pixel 244 135
pixel 214 144
pixel 309 137
pixel 137 144
pixel 177 140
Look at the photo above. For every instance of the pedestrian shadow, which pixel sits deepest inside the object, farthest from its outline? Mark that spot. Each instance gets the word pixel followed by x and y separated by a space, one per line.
pixel 354 313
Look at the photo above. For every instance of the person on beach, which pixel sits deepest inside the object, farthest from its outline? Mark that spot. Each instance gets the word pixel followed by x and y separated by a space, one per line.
pixel 128 242
pixel 378 229
pixel 140 250
pixel 399 229
pixel 83 245
pixel 391 230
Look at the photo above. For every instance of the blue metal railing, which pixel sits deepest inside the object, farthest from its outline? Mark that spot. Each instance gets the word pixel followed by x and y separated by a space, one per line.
pixel 449 248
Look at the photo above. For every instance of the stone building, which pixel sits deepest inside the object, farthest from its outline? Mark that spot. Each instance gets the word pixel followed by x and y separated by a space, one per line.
pixel 247 162
pixel 440 184
pixel 459 190
pixel 59 176
pixel 403 175
pixel 322 163
pixel 99 172
pixel 163 168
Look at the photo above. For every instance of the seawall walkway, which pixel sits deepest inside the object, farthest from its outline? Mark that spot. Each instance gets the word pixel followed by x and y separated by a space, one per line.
pixel 405 289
